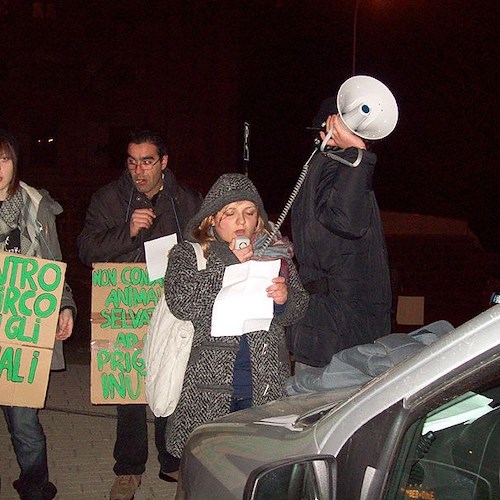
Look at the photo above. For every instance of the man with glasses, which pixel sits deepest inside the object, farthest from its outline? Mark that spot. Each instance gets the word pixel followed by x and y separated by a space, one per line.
pixel 144 203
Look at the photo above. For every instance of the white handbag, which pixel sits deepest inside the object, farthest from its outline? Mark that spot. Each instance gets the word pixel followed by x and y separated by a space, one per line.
pixel 166 353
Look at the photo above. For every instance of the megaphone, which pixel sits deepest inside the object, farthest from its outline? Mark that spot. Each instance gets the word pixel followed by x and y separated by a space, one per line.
pixel 367 107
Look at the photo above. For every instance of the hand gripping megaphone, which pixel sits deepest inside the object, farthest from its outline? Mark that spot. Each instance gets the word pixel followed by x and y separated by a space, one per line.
pixel 367 107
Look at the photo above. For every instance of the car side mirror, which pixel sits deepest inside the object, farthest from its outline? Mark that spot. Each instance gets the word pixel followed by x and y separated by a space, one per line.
pixel 299 478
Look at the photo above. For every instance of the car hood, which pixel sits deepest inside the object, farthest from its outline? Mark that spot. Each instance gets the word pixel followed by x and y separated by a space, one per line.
pixel 302 407
pixel 220 456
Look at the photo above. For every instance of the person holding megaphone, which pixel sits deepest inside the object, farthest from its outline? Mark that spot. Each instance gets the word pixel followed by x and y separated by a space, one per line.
pixel 337 230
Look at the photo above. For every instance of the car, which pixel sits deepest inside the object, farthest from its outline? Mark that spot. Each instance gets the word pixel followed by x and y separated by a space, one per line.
pixel 428 428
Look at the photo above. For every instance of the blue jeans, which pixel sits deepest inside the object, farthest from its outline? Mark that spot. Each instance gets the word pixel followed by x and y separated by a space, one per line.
pixel 238 404
pixel 29 443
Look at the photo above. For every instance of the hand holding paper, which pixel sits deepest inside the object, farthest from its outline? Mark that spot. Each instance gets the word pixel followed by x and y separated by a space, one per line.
pixel 278 291
pixel 244 303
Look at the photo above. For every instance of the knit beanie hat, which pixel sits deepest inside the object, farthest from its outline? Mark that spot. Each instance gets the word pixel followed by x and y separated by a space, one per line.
pixel 228 188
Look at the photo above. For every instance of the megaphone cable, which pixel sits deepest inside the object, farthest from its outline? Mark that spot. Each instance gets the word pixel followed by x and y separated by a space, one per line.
pixel 288 204
pixel 329 153
pixel 298 185
pixel 357 161
pixel 328 136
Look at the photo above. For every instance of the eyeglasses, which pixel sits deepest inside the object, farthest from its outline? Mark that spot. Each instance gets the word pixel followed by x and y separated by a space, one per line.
pixel 146 164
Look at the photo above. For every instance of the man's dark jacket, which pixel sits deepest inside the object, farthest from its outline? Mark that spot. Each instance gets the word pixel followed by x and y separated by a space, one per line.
pixel 340 246
pixel 106 233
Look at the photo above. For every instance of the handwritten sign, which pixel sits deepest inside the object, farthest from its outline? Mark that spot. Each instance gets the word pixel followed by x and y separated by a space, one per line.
pixel 123 300
pixel 30 297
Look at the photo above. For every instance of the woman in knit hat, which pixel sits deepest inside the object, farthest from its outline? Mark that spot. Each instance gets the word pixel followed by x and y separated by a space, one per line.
pixel 226 374
pixel 27 227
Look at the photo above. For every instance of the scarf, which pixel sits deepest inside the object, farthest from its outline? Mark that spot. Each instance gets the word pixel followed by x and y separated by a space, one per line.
pixel 280 247
pixel 15 213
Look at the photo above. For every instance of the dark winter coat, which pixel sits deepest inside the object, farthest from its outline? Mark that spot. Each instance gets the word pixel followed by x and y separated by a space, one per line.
pixel 339 240
pixel 207 389
pixel 106 233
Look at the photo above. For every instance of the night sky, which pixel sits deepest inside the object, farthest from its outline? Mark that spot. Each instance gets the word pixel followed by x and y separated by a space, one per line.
pixel 439 59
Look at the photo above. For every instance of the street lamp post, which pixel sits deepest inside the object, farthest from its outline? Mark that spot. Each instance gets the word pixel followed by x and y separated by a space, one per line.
pixel 354 36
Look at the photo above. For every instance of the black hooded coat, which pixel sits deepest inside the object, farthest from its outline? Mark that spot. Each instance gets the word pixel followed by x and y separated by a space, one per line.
pixel 340 247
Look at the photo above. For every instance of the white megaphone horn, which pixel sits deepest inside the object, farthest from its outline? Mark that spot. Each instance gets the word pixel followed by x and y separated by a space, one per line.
pixel 367 107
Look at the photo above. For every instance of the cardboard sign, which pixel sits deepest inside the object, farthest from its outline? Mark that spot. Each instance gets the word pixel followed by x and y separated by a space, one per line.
pixel 123 300
pixel 410 310
pixel 30 298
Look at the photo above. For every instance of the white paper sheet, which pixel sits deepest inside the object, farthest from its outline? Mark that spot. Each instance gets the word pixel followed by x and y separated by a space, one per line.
pixel 286 421
pixel 157 255
pixel 242 305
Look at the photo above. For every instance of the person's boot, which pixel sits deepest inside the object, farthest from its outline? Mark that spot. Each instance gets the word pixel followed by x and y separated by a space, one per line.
pixel 170 477
pixel 28 492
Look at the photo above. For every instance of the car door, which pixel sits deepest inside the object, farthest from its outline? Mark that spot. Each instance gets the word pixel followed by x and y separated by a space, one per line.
pixel 444 443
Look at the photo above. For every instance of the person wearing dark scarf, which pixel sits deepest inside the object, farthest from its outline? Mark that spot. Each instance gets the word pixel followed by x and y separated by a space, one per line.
pixel 27 227
pixel 225 374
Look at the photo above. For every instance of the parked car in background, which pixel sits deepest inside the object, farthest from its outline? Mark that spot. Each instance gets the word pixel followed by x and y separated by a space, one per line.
pixel 429 428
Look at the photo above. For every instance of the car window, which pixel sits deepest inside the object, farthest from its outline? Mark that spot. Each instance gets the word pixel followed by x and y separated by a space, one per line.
pixel 454 452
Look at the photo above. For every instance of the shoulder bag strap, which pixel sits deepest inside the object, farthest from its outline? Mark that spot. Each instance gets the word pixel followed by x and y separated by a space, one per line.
pixel 200 258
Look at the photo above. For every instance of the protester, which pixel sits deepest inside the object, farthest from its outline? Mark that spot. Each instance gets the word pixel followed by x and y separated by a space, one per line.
pixel 28 227
pixel 340 248
pixel 145 203
pixel 226 374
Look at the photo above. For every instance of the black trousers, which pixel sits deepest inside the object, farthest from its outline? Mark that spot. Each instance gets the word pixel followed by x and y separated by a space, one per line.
pixel 131 446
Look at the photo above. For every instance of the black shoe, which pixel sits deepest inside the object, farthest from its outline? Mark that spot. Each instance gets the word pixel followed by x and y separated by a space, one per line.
pixel 168 476
pixel 47 492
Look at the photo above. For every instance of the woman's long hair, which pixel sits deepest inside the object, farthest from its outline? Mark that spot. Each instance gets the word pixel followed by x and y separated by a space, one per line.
pixel 8 149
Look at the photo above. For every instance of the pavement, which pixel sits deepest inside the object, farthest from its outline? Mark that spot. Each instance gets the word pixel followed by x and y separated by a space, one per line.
pixel 80 440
